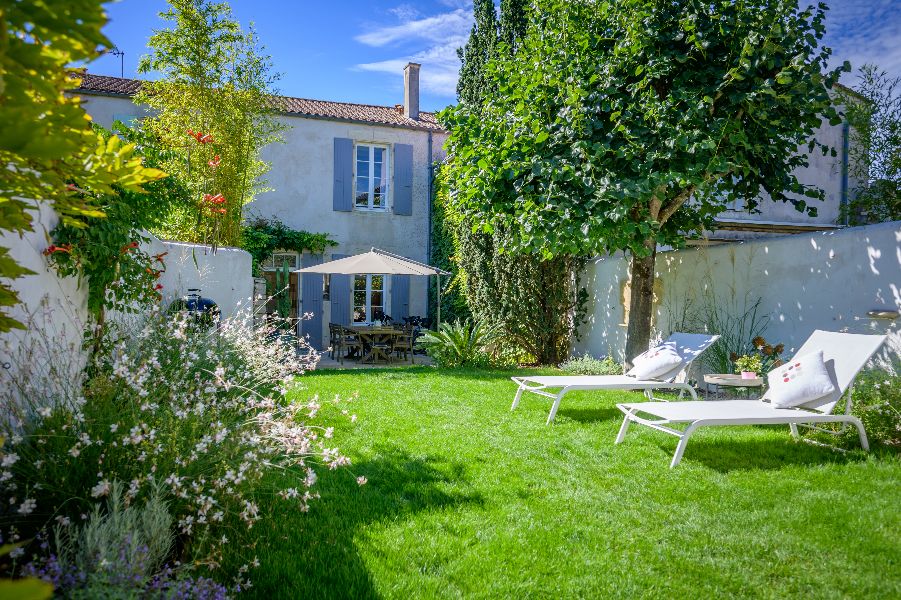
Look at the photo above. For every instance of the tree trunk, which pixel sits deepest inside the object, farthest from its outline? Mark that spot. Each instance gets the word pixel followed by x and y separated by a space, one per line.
pixel 641 303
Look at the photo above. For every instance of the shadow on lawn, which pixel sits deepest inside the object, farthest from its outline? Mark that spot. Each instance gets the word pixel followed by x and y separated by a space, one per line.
pixel 758 455
pixel 316 555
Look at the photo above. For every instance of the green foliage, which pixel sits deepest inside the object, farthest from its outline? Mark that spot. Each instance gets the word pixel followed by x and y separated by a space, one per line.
pixel 472 85
pixel 261 237
pixel 873 110
pixel 876 401
pixel 214 106
pixel 610 116
pixel 46 142
pixel 443 255
pixel 106 255
pixel 513 22
pixel 588 365
pixel 137 537
pixel 460 344
pixel 751 363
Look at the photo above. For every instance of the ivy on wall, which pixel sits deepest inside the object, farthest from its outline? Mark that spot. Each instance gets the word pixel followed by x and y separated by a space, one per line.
pixel 261 237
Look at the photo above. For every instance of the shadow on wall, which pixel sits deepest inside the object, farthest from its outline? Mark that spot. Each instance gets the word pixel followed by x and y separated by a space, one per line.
pixel 797 283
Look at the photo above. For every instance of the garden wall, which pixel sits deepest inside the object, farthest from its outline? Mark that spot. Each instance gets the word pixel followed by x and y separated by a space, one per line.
pixel 56 308
pixel 804 282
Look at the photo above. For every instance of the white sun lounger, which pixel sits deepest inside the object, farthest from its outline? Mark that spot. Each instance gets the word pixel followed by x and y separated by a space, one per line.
pixel 845 355
pixel 688 345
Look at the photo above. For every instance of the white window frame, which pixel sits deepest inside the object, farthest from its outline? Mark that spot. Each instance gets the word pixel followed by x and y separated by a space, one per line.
pixel 269 264
pixel 386 194
pixel 386 300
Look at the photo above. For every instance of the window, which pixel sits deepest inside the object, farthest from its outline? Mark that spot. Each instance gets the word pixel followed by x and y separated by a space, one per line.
pixel 369 297
pixel 281 259
pixel 371 181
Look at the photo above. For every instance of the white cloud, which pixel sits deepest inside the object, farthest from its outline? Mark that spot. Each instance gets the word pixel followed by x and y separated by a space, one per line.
pixel 865 31
pixel 431 41
pixel 436 28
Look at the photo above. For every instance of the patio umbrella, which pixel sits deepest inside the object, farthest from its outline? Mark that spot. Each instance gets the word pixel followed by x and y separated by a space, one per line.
pixel 378 262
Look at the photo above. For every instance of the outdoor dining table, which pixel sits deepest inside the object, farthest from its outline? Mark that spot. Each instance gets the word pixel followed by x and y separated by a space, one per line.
pixel 378 341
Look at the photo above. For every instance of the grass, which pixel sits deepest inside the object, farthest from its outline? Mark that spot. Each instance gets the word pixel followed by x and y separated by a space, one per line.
pixel 468 499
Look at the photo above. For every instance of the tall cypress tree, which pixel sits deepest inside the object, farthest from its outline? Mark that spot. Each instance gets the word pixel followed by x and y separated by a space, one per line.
pixel 513 22
pixel 531 299
pixel 478 51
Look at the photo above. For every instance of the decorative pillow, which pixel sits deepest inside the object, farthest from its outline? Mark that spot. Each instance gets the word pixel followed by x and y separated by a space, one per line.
pixel 655 362
pixel 800 380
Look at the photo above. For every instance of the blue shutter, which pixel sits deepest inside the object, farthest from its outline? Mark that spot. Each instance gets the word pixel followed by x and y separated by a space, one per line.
pixel 342 192
pixel 403 179
pixel 400 297
pixel 311 301
pixel 339 295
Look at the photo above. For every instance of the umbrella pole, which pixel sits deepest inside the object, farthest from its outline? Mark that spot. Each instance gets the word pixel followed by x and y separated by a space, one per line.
pixel 439 303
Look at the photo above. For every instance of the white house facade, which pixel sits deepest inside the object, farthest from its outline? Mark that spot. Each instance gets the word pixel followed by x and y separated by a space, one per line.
pixel 362 174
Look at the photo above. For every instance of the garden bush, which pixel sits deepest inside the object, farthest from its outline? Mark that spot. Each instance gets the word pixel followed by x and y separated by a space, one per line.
pixel 461 344
pixel 588 365
pixel 876 401
pixel 196 414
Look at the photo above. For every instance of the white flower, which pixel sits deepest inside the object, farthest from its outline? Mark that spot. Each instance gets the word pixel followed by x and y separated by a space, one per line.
pixel 27 506
pixel 16 552
pixel 361 480
pixel 101 489
pixel 9 460
pixel 113 427
pixel 45 411
pixel 75 451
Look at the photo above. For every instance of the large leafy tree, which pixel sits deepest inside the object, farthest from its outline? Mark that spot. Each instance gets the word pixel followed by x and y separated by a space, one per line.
pixel 625 125
pixel 479 49
pixel 214 106
pixel 48 152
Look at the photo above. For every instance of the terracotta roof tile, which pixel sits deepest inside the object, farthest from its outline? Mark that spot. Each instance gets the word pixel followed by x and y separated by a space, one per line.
pixel 321 109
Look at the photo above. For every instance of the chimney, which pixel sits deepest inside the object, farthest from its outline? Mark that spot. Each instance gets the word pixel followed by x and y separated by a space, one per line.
pixel 411 91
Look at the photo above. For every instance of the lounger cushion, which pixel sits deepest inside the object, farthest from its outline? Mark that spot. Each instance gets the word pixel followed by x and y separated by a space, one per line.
pixel 655 362
pixel 800 380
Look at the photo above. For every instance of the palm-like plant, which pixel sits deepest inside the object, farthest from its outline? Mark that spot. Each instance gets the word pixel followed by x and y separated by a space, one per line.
pixel 459 343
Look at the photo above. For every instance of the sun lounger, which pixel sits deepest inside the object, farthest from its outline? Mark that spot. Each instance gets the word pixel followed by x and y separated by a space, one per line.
pixel 688 345
pixel 844 354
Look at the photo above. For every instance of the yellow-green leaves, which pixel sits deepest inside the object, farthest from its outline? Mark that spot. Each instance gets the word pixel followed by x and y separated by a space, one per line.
pixel 46 140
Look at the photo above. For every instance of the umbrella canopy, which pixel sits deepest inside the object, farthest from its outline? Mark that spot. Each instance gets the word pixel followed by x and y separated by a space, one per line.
pixel 374 262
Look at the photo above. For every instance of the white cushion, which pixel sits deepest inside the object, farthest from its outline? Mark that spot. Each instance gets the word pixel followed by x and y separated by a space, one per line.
pixel 800 380
pixel 655 362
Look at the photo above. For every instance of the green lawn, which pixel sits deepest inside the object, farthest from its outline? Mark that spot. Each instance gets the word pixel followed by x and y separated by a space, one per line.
pixel 468 499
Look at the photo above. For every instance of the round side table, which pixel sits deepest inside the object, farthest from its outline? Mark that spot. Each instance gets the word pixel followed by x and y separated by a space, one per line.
pixel 720 380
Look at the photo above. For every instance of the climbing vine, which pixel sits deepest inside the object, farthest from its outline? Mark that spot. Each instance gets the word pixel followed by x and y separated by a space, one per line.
pixel 261 237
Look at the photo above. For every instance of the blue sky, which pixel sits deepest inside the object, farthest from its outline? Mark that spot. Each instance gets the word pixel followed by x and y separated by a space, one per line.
pixel 355 50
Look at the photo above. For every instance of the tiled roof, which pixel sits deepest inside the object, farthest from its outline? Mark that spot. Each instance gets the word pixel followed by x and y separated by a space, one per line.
pixel 320 109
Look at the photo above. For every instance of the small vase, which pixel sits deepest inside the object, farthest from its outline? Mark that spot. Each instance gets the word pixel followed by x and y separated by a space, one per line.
pixel 748 375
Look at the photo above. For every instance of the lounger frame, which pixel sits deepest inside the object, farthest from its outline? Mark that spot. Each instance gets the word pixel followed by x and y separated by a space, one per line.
pixel 845 354
pixel 646 386
pixel 793 418
pixel 666 382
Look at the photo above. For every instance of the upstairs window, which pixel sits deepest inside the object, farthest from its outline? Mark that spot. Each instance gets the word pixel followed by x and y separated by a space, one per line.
pixel 280 259
pixel 371 177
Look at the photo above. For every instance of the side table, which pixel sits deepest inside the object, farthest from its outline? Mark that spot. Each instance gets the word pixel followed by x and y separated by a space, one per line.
pixel 720 380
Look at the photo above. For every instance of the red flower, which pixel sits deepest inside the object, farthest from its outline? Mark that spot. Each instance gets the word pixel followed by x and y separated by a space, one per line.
pixel 215 162
pixel 217 199
pixel 67 248
pixel 206 139
pixel 158 287
pixel 221 210
pixel 159 257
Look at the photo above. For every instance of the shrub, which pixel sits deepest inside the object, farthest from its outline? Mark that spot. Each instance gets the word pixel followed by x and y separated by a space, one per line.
pixel 876 401
pixel 588 365
pixel 460 344
pixel 198 413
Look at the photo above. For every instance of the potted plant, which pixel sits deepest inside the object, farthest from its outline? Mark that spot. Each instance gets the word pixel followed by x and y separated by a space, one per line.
pixel 748 365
